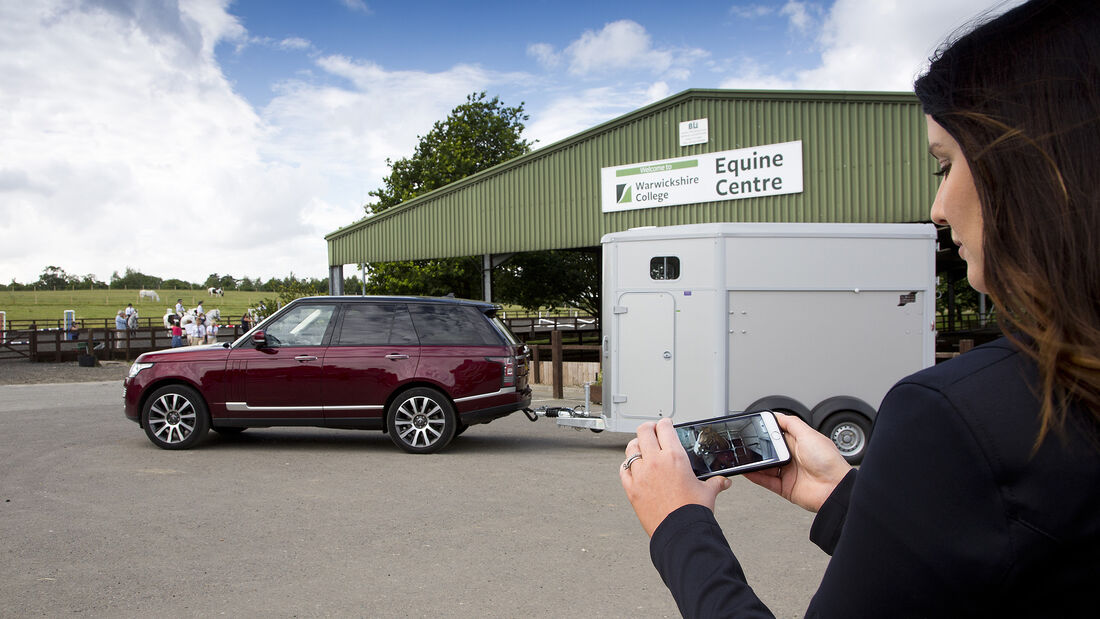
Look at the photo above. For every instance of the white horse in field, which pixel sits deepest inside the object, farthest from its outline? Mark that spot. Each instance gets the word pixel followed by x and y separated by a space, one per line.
pixel 215 292
pixel 148 294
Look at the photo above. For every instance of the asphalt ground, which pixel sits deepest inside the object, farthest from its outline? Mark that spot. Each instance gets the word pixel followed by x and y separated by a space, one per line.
pixel 513 519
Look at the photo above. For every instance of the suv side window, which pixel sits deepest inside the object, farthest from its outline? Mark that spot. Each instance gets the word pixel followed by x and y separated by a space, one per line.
pixel 452 325
pixel 376 324
pixel 304 325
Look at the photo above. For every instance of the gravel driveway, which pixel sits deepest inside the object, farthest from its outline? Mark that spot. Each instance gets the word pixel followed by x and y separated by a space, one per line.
pixel 27 373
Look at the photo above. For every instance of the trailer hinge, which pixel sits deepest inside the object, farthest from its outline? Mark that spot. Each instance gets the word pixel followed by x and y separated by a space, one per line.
pixel 619 309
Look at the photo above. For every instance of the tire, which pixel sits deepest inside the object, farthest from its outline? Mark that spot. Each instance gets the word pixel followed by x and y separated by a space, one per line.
pixel 421 421
pixel 175 417
pixel 850 432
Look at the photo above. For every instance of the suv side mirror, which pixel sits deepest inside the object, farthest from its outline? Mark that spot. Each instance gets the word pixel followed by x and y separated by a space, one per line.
pixel 259 339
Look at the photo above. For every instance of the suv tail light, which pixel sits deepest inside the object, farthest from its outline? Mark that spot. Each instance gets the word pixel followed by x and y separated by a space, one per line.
pixel 508 377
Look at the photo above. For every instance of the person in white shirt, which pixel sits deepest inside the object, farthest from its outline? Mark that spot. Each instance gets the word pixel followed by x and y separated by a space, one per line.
pixel 192 332
pixel 212 333
pixel 200 329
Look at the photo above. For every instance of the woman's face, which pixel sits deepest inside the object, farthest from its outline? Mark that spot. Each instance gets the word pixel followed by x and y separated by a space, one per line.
pixel 956 203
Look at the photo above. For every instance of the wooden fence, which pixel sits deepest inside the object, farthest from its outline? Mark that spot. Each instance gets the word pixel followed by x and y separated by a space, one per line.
pixel 58 345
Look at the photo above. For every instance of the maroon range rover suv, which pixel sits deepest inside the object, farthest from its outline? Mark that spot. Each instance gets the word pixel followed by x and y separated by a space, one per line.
pixel 420 369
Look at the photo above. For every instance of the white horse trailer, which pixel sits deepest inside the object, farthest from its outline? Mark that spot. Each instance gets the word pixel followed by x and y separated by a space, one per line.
pixel 818 320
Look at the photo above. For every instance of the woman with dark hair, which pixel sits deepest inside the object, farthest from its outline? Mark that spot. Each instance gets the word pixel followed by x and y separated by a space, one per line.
pixel 980 493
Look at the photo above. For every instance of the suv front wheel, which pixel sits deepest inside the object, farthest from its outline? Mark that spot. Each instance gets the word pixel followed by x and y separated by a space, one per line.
pixel 421 421
pixel 175 417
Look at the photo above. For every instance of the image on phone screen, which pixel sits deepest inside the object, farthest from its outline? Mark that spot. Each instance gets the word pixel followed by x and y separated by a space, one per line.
pixel 731 445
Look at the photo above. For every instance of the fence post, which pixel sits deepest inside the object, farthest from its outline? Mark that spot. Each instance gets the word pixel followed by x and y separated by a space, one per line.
pixel 555 357
pixel 57 345
pixel 34 342
pixel 128 332
pixel 538 366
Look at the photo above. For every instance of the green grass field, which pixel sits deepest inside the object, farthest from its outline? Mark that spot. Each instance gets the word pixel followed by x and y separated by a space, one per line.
pixel 103 304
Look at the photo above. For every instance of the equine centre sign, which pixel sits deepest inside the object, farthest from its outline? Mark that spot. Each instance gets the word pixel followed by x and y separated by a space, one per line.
pixel 770 170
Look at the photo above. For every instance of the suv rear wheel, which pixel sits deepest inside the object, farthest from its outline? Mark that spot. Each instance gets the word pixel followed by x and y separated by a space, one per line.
pixel 421 421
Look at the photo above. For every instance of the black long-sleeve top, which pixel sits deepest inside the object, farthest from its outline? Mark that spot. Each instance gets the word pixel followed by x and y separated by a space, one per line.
pixel 951 514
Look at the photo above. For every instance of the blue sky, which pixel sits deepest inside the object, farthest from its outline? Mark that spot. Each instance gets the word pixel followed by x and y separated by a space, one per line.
pixel 188 137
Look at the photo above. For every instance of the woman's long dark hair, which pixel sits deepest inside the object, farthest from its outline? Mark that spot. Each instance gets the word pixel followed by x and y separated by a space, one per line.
pixel 1021 96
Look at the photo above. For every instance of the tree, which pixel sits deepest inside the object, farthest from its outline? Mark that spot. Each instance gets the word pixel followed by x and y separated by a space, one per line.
pixel 54 277
pixel 89 281
pixel 477 135
pixel 437 277
pixel 292 289
pixel 177 284
pixel 550 279
pixel 136 280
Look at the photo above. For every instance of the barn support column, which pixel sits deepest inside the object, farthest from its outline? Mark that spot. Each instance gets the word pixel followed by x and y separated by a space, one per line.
pixel 488 263
pixel 336 280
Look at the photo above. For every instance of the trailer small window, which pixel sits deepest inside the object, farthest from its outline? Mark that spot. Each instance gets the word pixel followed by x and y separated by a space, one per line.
pixel 664 267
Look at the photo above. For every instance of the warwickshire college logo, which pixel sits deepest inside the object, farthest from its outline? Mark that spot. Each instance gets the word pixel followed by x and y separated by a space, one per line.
pixel 622 193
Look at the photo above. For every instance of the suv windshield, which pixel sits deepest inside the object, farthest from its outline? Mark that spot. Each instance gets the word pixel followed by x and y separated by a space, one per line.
pixel 304 325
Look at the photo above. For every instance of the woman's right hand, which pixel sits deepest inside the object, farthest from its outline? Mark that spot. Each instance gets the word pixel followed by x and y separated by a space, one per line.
pixel 815 469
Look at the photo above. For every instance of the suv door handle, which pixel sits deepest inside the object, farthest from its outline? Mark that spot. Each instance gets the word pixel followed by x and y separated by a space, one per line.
pixel 303 358
pixel 396 356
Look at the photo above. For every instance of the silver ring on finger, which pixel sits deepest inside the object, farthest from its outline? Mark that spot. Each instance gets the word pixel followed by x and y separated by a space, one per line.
pixel 630 460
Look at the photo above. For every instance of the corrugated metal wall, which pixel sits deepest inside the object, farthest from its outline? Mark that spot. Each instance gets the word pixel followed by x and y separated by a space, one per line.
pixel 864 160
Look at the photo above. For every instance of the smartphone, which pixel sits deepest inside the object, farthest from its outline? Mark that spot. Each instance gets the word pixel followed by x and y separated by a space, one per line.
pixel 734 444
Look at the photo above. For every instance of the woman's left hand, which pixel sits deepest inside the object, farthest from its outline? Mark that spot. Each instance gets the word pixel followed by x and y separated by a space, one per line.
pixel 661 481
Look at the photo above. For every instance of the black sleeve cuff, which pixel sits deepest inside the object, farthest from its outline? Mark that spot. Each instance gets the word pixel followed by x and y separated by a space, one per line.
pixel 827 526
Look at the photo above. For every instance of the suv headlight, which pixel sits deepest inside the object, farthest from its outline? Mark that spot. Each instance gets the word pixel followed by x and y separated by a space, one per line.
pixel 137 367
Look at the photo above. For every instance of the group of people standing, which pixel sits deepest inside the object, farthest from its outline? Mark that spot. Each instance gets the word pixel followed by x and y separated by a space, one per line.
pixel 197 331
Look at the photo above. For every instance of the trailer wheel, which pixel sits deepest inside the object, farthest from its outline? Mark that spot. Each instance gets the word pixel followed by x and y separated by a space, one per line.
pixel 850 432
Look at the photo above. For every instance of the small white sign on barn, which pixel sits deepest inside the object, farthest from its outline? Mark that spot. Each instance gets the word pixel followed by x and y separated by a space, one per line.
pixel 694 132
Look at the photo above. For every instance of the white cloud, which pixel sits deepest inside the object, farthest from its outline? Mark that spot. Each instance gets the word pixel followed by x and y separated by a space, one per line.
pixel 883 45
pixel 798 13
pixel 751 75
pixel 125 145
pixel 357 6
pixel 751 11
pixel 544 54
pixel 295 43
pixel 620 46
pixel 567 115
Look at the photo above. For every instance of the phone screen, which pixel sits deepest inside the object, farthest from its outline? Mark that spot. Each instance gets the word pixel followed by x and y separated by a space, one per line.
pixel 733 445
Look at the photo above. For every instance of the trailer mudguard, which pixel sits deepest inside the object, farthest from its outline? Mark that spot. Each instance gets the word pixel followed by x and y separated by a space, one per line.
pixel 839 403
pixel 782 404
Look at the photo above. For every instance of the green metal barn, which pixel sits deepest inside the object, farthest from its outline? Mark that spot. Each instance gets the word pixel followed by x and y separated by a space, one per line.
pixel 796 156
